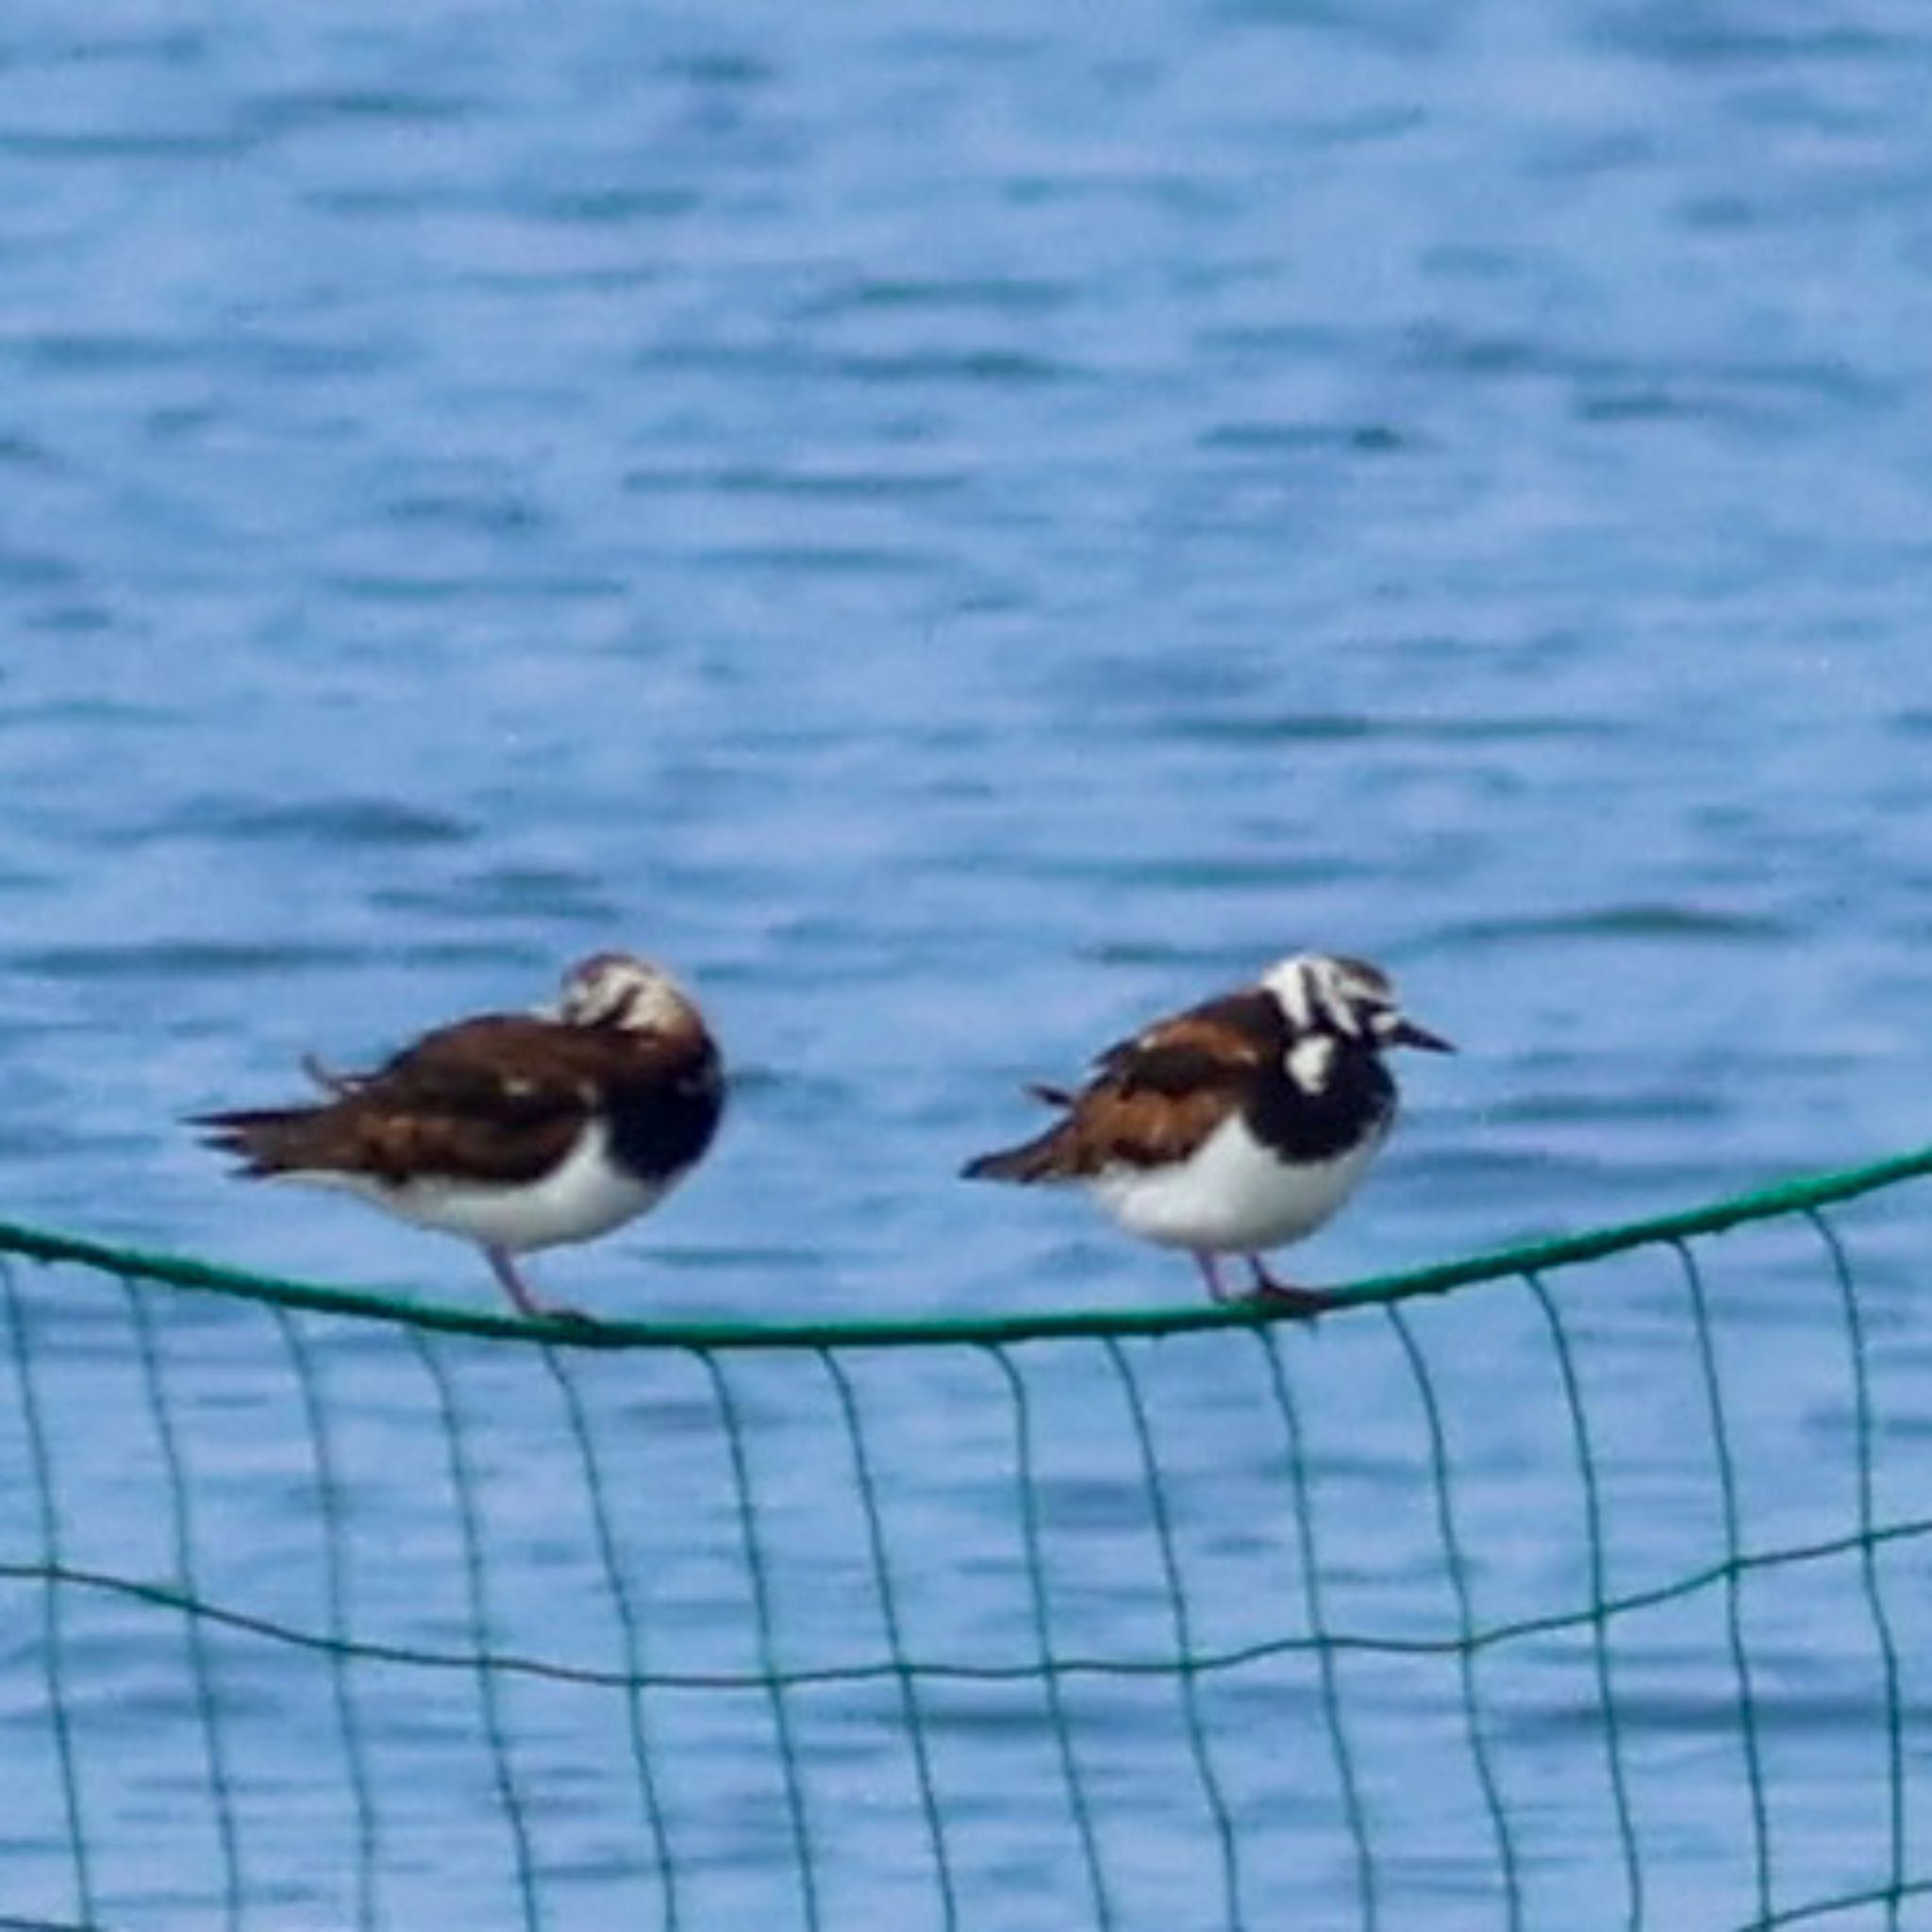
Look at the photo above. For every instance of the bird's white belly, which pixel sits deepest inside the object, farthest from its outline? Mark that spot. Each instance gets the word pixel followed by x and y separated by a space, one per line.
pixel 1232 1195
pixel 584 1196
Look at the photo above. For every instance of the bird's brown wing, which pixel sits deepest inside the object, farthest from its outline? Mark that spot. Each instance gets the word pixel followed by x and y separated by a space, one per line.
pixel 1228 1038
pixel 1155 1097
pixel 498 1099
pixel 1110 1126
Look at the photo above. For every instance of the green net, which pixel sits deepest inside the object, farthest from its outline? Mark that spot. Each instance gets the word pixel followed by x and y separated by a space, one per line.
pixel 1590 1593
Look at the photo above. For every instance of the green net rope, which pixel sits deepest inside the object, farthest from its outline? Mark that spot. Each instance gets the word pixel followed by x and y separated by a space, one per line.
pixel 1593 1599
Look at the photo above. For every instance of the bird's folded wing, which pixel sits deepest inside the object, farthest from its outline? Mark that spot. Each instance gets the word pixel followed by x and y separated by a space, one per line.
pixel 1211 1045
pixel 499 1099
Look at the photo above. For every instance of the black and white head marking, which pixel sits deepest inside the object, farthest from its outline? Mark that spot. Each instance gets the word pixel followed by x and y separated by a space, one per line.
pixel 1347 1003
pixel 617 989
pixel 1320 992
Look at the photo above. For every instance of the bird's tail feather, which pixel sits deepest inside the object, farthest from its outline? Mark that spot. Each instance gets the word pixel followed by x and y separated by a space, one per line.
pixel 1032 1160
pixel 265 1140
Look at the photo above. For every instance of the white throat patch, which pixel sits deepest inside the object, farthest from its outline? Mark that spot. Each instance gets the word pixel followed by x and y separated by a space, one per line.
pixel 1310 1062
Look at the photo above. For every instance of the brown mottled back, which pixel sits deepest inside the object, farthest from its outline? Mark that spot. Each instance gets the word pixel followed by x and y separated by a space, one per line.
pixel 495 1099
pixel 1155 1097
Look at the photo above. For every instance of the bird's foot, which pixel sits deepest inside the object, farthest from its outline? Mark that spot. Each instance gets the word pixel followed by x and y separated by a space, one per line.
pixel 560 1316
pixel 1282 1297
pixel 527 1304
pixel 556 1314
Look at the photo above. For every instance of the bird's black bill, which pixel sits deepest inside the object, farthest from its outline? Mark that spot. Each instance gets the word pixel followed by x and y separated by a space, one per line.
pixel 1410 1034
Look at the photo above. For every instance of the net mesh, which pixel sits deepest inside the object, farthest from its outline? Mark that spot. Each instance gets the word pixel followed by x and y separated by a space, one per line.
pixel 1587 1593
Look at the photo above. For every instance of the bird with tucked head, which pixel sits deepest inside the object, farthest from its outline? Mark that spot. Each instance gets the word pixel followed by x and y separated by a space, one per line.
pixel 517 1131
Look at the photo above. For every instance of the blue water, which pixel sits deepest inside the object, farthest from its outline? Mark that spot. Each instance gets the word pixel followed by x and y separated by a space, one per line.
pixel 959 530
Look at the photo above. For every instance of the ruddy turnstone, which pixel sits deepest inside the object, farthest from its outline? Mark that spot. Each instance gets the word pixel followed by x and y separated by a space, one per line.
pixel 515 1130
pixel 1238 1125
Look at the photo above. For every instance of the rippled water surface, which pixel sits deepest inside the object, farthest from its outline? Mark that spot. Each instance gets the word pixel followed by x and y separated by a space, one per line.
pixel 959 529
